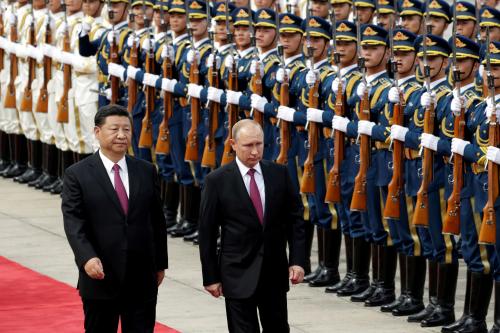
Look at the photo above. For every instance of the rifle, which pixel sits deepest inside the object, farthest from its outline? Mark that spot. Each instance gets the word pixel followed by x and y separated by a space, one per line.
pixel 113 57
pixel 256 81
pixel 487 235
pixel 2 32
pixel 163 141
pixel 134 61
pixel 146 137
pixel 451 223
pixel 63 107
pixel 42 104
pixel 284 125
pixel 232 110
pixel 308 184
pixel 358 202
pixel 333 182
pixel 478 5
pixel 10 95
pixel 194 78
pixel 208 159
pixel 27 98
pixel 421 214
pixel 396 185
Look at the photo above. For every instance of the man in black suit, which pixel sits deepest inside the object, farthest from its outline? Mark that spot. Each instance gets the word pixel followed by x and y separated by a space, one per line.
pixel 114 223
pixel 258 211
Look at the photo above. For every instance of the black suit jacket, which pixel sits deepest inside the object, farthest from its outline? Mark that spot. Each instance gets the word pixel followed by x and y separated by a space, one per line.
pixel 249 250
pixel 132 247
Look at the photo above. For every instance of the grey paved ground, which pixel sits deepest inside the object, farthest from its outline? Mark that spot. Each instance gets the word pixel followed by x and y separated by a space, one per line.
pixel 31 233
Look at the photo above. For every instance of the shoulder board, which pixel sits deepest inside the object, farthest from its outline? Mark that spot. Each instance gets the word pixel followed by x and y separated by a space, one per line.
pixel 410 90
pixel 122 38
pixel 377 93
pixel 204 48
pixel 324 72
pixel 353 73
pixel 442 91
pixel 294 71
pixel 271 61
pixel 383 81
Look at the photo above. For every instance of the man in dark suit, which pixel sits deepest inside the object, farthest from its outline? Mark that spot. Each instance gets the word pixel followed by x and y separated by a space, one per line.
pixel 114 223
pixel 258 211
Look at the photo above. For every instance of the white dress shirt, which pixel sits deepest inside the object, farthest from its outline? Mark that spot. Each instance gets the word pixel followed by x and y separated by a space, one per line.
pixel 259 179
pixel 108 165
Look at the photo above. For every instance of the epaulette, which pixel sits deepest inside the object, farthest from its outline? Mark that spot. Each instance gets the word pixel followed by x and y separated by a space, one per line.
pixel 270 61
pixel 95 29
pixel 324 71
pixel 377 93
pixel 204 48
pixel 180 48
pixel 383 81
pixel 122 37
pixel 353 73
pixel 296 68
pixel 411 90
pixel 441 91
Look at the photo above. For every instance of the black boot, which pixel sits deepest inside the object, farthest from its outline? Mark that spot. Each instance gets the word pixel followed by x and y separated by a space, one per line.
pixel 52 164
pixel 194 216
pixel 415 276
pixel 459 323
pixel 365 294
pixel 20 148
pixel 496 314
pixel 10 149
pixel 35 157
pixel 433 280
pixel 44 173
pixel 191 212
pixel 309 231
pixel 361 265
pixel 320 240
pixel 331 253
pixel 182 200
pixel 348 261
pixel 385 292
pixel 402 280
pixel 5 158
pixel 480 295
pixel 68 159
pixel 171 203
pixel 444 312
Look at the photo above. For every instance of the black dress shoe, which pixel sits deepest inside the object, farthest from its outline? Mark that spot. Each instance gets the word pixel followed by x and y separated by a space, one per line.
pixel 365 294
pixel 472 325
pixel 442 315
pixel 170 223
pixel 176 226
pixel 36 181
pixel 34 175
pixel 196 241
pixel 326 277
pixel 49 187
pixel 4 172
pixel 4 165
pixel 417 318
pixel 58 188
pixel 339 285
pixel 45 182
pixel 409 306
pixel 29 171
pixel 16 170
pixel 381 296
pixel 311 276
pixel 354 286
pixel 456 326
pixel 394 304
pixel 186 229
pixel 191 237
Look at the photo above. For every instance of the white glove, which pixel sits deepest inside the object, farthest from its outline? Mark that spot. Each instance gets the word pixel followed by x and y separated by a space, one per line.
pixel 228 62
pixel 194 90
pixel 493 154
pixel 458 146
pixel 168 52
pixel 258 102
pixel 132 72
pixel 398 133
pixel 293 2
pixel 394 95
pixel 360 91
pixel 116 70
pixel 280 74
pixel 111 34
pixel 168 84
pixel 67 58
pixel 233 97
pixel 340 123
pixel 311 77
pixel 150 79
pixel 131 40
pixel 429 141
pixel 61 30
pixel 365 127
pixel 34 53
pixel 86 26
pixel 56 54
pixel 426 99
pixel 214 94
pixel 210 61
pixel 315 115
pixel 21 51
pixel 107 93
pixel 253 67
pixel 48 50
pixel 285 113
pixel 335 85
pixel 3 42
pixel 191 56
pixel 489 108
pixel 12 19
pixel 457 104
pixel 37 54
pixel 146 44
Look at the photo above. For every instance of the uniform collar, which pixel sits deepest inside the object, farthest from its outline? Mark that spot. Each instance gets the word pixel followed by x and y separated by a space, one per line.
pixel 438 82
pixel 75 16
pixel 291 59
pixel 467 87
pixel 345 70
pixel 120 25
pixel 405 79
pixel 177 39
pixel 200 42
pixel 223 47
pixel 320 63
pixel 374 77
pixel 56 16
pixel 264 55
pixel 245 52
pixel 160 35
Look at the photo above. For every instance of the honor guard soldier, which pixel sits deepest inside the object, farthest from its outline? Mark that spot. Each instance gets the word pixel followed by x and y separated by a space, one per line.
pixel 5 156
pixel 320 8
pixel 411 14
pixel 489 20
pixel 365 9
pixel 386 14
pixel 439 13
pixel 342 9
pixel 466 19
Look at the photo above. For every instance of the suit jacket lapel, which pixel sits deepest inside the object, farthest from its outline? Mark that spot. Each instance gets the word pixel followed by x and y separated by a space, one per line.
pixel 134 182
pixel 267 190
pixel 242 190
pixel 103 180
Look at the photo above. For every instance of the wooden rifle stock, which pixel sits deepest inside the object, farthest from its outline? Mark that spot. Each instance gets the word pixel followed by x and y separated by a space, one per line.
pixel 256 84
pixel 395 187
pixel 308 184
pixel 115 81
pixel 42 104
pixel 284 126
pixel 358 202
pixel 132 84
pixel 232 115
pixel 451 223
pixel 487 234
pixel 63 107
pixel 146 137
pixel 421 214
pixel 192 137
pixel 27 98
pixel 10 95
pixel 333 182
pixel 208 159
pixel 163 141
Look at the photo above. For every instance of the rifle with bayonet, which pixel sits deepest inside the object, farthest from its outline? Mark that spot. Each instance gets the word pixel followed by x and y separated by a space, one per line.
pixel 163 141
pixel 63 106
pixel 284 125
pixel 146 138
pixel 2 32
pixel 421 214
pixel 308 183
pixel 451 223
pixel 42 104
pixel 256 81
pixel 359 196
pixel 113 57
pixel 27 98
pixel 10 95
pixel 333 182
pixel 194 78
pixel 487 234
pixel 134 61
pixel 396 185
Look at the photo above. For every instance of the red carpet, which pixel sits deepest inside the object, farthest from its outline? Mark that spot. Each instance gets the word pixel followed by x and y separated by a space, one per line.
pixel 31 302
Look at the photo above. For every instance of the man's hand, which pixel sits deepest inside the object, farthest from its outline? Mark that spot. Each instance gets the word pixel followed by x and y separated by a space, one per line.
pixel 93 268
pixel 160 275
pixel 215 289
pixel 296 274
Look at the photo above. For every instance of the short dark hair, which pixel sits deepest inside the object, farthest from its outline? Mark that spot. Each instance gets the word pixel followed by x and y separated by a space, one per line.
pixel 110 110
